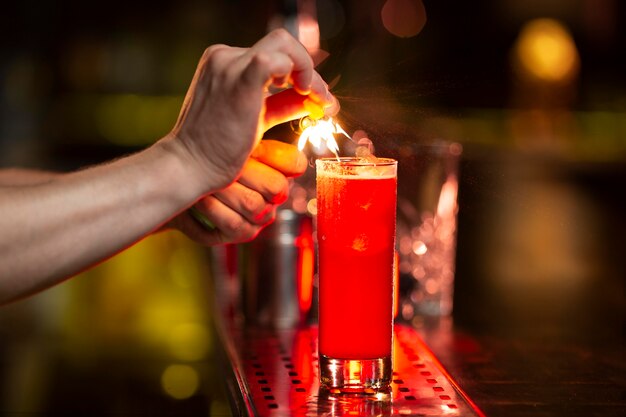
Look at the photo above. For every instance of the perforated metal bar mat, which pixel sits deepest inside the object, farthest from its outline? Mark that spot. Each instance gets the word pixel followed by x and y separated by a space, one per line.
pixel 276 373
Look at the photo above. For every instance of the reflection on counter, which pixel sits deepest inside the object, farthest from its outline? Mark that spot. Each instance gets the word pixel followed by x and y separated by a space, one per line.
pixel 132 335
pixel 279 374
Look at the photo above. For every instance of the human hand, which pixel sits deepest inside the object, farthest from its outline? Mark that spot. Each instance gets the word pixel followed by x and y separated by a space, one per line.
pixel 227 108
pixel 239 212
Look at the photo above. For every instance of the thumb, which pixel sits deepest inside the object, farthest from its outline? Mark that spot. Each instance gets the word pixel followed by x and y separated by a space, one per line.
pixel 290 105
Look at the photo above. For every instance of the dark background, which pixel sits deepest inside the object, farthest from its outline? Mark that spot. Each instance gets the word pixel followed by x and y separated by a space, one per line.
pixel 59 59
pixel 540 256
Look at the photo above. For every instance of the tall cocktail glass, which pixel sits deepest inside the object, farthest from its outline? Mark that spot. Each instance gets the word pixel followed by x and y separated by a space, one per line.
pixel 356 228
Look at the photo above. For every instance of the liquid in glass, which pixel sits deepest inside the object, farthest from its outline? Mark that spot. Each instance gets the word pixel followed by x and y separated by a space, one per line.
pixel 356 222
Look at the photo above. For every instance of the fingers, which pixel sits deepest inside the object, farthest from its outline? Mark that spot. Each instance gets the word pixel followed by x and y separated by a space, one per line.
pixel 240 211
pixel 235 215
pixel 222 120
pixel 233 225
pixel 281 41
pixel 284 106
pixel 250 204
pixel 333 108
pixel 281 57
pixel 290 105
pixel 266 67
pixel 265 180
pixel 281 156
pixel 230 225
pixel 197 231
pixel 320 91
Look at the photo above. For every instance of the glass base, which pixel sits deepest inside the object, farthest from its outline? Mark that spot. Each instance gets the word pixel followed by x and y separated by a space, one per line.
pixel 355 375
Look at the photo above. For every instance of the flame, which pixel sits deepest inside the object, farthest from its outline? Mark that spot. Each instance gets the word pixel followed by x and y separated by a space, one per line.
pixel 318 131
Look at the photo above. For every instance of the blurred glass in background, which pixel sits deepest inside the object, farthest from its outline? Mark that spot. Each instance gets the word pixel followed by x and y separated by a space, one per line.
pixel 428 185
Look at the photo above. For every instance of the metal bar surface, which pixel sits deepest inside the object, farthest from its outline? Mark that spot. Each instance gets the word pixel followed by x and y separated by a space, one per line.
pixel 277 373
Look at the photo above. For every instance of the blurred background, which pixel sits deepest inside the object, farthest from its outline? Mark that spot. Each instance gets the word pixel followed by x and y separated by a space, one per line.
pixel 534 90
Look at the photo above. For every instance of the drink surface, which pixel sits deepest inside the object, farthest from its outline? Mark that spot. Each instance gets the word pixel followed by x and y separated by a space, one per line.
pixel 356 237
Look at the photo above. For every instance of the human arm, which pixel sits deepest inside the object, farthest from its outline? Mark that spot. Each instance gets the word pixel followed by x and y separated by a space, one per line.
pixel 54 229
pixel 15 177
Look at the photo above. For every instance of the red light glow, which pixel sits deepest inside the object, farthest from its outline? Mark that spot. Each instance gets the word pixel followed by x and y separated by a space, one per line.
pixel 306 264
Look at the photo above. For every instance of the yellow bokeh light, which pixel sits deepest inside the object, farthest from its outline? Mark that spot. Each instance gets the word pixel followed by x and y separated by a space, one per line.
pixel 130 119
pixel 311 206
pixel 546 51
pixel 189 341
pixel 180 381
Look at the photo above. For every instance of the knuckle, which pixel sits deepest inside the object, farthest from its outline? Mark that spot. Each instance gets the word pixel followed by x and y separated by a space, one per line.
pixel 278 189
pixel 216 57
pixel 266 217
pixel 260 59
pixel 253 202
pixel 247 233
pixel 280 35
pixel 212 50
pixel 240 230
pixel 235 226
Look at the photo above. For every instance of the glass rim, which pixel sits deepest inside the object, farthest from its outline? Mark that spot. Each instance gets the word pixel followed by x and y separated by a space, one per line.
pixel 353 161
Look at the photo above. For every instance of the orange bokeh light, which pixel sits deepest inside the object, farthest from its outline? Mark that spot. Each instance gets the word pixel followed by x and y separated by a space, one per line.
pixel 404 18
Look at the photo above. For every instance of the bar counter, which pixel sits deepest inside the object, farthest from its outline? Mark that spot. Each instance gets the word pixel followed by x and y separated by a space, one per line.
pixel 538 321
pixel 438 371
pixel 537 327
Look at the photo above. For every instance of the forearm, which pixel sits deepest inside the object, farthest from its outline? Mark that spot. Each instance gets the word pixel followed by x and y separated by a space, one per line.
pixel 13 177
pixel 55 229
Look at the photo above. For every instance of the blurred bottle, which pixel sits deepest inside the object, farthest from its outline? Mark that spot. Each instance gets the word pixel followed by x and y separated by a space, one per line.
pixel 276 272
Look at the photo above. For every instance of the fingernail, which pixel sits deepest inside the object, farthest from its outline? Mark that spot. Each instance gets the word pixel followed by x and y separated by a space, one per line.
pixel 332 108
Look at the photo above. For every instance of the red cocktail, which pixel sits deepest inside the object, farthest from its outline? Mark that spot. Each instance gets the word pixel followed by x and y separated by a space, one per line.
pixel 356 223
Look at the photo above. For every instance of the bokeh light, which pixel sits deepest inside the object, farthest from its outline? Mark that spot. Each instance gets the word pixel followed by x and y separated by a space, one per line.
pixel 545 51
pixel 189 341
pixel 180 381
pixel 404 18
pixel 131 120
